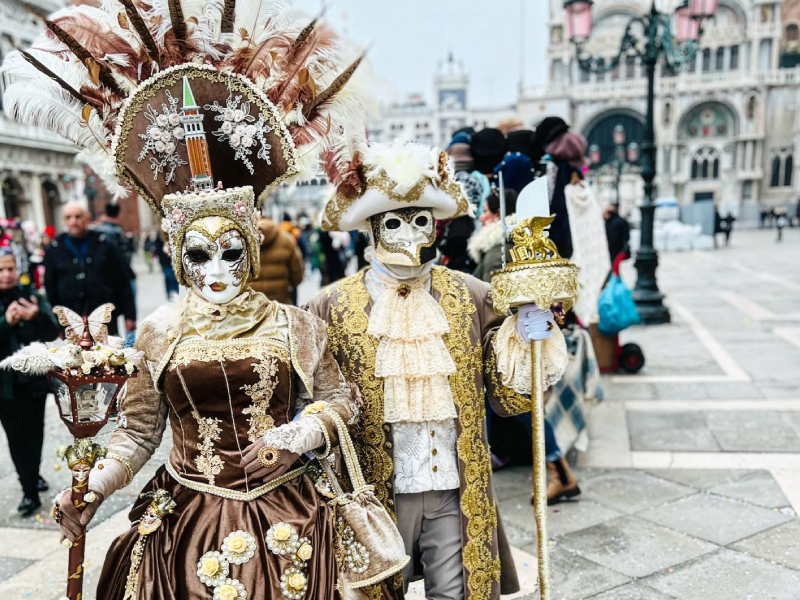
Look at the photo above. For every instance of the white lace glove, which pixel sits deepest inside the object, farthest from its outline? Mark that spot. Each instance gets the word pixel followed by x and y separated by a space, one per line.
pixel 300 436
pixel 533 323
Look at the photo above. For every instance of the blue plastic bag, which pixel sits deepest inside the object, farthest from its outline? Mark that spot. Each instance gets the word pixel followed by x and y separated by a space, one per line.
pixel 616 308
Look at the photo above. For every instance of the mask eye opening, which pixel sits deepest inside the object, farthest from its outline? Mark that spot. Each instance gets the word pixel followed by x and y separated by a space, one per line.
pixel 421 221
pixel 392 223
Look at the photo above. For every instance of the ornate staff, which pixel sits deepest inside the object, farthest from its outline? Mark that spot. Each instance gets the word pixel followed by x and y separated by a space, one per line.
pixel 86 380
pixel 537 274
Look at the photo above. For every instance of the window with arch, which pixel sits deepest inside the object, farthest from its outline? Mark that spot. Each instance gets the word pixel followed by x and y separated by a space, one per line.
pixel 706 60
pixel 752 105
pixel 781 168
pixel 705 164
pixel 667 117
pixel 719 61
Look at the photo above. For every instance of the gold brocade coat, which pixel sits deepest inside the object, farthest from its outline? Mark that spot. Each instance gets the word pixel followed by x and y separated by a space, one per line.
pixel 467 303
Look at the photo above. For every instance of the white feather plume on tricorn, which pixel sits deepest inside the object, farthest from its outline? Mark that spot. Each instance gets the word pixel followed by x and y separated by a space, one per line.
pixel 394 176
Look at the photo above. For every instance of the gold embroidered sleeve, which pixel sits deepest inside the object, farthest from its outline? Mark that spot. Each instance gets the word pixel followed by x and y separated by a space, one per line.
pixel 504 400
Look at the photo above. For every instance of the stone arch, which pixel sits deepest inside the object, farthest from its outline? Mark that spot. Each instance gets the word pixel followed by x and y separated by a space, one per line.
pixel 599 130
pixel 51 202
pixel 13 196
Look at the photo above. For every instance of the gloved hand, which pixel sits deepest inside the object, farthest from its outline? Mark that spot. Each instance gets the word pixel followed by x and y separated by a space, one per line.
pixel 71 521
pixel 533 323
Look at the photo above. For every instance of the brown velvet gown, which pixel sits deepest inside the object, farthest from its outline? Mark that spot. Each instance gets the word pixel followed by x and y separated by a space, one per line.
pixel 220 399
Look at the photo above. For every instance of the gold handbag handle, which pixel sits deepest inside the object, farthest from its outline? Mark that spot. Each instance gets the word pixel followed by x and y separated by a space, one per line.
pixel 348 452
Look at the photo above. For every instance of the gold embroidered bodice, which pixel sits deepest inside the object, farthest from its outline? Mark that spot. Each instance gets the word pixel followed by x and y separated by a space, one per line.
pixel 223 396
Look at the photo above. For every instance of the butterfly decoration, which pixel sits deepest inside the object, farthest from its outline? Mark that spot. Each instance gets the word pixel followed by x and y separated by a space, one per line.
pixel 76 325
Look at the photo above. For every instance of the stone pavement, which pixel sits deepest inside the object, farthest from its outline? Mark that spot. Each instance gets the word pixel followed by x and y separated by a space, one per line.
pixel 691 483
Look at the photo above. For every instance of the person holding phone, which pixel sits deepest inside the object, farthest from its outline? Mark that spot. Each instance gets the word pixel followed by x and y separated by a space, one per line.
pixel 25 317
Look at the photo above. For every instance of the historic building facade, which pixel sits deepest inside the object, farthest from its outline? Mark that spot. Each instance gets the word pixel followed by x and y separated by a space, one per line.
pixel 38 173
pixel 727 127
pixel 435 123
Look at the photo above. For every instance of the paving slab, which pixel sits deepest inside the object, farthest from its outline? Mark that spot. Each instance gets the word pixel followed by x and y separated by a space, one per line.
pixel 752 431
pixel 714 518
pixel 634 547
pixel 701 479
pixel 575 578
pixel 562 518
pixel 760 489
pixel 780 545
pixel 729 575
pixel 11 566
pixel 632 591
pixel 675 431
pixel 630 491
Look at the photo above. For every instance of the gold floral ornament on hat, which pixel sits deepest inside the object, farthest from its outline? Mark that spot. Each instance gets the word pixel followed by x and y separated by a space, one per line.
pixel 178 96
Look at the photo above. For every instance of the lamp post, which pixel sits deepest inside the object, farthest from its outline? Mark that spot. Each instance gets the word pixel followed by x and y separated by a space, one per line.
pixel 649 37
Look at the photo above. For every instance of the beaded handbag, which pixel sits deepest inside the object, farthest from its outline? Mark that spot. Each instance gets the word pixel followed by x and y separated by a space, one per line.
pixel 369 548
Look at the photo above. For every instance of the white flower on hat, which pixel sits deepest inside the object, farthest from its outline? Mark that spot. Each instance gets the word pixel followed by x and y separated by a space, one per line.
pixel 160 146
pixel 247 141
pixel 251 130
pixel 162 120
pixel 178 133
pixel 235 140
pixel 238 115
pixel 170 147
pixel 227 127
pixel 228 114
pixel 174 119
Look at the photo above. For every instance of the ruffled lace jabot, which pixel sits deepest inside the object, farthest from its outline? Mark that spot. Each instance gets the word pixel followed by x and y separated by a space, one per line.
pixel 412 357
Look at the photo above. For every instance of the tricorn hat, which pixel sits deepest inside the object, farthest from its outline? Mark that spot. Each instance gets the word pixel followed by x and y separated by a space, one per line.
pixel 395 176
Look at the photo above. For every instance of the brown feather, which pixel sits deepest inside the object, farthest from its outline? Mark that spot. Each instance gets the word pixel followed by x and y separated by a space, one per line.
pixel 257 61
pixel 333 89
pixel 304 35
pixel 349 178
pixel 318 39
pixel 83 55
pixel 48 73
pixel 99 40
pixel 141 28
pixel 178 23
pixel 228 13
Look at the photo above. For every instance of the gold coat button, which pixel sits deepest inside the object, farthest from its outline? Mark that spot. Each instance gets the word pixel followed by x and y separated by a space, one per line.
pixel 435 468
pixel 434 451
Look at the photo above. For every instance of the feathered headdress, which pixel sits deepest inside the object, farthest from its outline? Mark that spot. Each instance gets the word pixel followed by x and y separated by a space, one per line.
pixel 383 177
pixel 273 90
pixel 168 97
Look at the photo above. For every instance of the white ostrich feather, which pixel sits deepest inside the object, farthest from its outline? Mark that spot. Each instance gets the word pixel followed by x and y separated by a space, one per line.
pixel 404 163
pixel 35 359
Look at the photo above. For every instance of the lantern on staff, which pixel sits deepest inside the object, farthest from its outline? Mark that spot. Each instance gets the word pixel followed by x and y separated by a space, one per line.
pixel 87 372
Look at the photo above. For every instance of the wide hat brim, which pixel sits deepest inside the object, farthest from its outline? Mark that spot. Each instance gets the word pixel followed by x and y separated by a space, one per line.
pixel 343 214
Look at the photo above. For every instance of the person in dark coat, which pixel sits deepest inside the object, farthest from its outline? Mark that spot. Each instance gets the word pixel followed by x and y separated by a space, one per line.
pixel 25 317
pixel 84 269
pixel 618 232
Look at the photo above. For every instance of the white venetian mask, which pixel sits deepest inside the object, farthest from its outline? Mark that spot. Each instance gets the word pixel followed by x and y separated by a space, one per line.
pixel 215 260
pixel 404 237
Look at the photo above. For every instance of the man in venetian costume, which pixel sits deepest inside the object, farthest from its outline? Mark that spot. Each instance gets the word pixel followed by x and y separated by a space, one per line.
pixel 171 103
pixel 423 344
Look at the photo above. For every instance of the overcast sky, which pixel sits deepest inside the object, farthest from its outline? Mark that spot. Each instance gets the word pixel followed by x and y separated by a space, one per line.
pixel 408 39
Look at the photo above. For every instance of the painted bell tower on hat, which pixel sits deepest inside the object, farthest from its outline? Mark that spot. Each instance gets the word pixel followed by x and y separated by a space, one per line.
pixel 196 143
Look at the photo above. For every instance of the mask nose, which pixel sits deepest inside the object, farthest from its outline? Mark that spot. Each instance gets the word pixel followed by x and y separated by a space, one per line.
pixel 216 267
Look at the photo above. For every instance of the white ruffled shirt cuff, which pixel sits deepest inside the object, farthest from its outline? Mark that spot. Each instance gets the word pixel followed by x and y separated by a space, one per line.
pixel 514 357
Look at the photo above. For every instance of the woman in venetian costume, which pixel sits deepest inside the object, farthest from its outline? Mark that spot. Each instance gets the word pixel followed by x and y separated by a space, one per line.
pixel 158 96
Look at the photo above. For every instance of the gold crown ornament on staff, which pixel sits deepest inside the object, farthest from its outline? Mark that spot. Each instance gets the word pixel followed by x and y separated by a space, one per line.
pixel 536 274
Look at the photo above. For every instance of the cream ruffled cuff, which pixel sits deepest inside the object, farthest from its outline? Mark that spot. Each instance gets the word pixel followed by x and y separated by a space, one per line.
pixel 514 357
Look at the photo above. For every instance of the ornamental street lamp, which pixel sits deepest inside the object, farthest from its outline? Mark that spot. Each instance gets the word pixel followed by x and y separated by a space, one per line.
pixel 657 40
